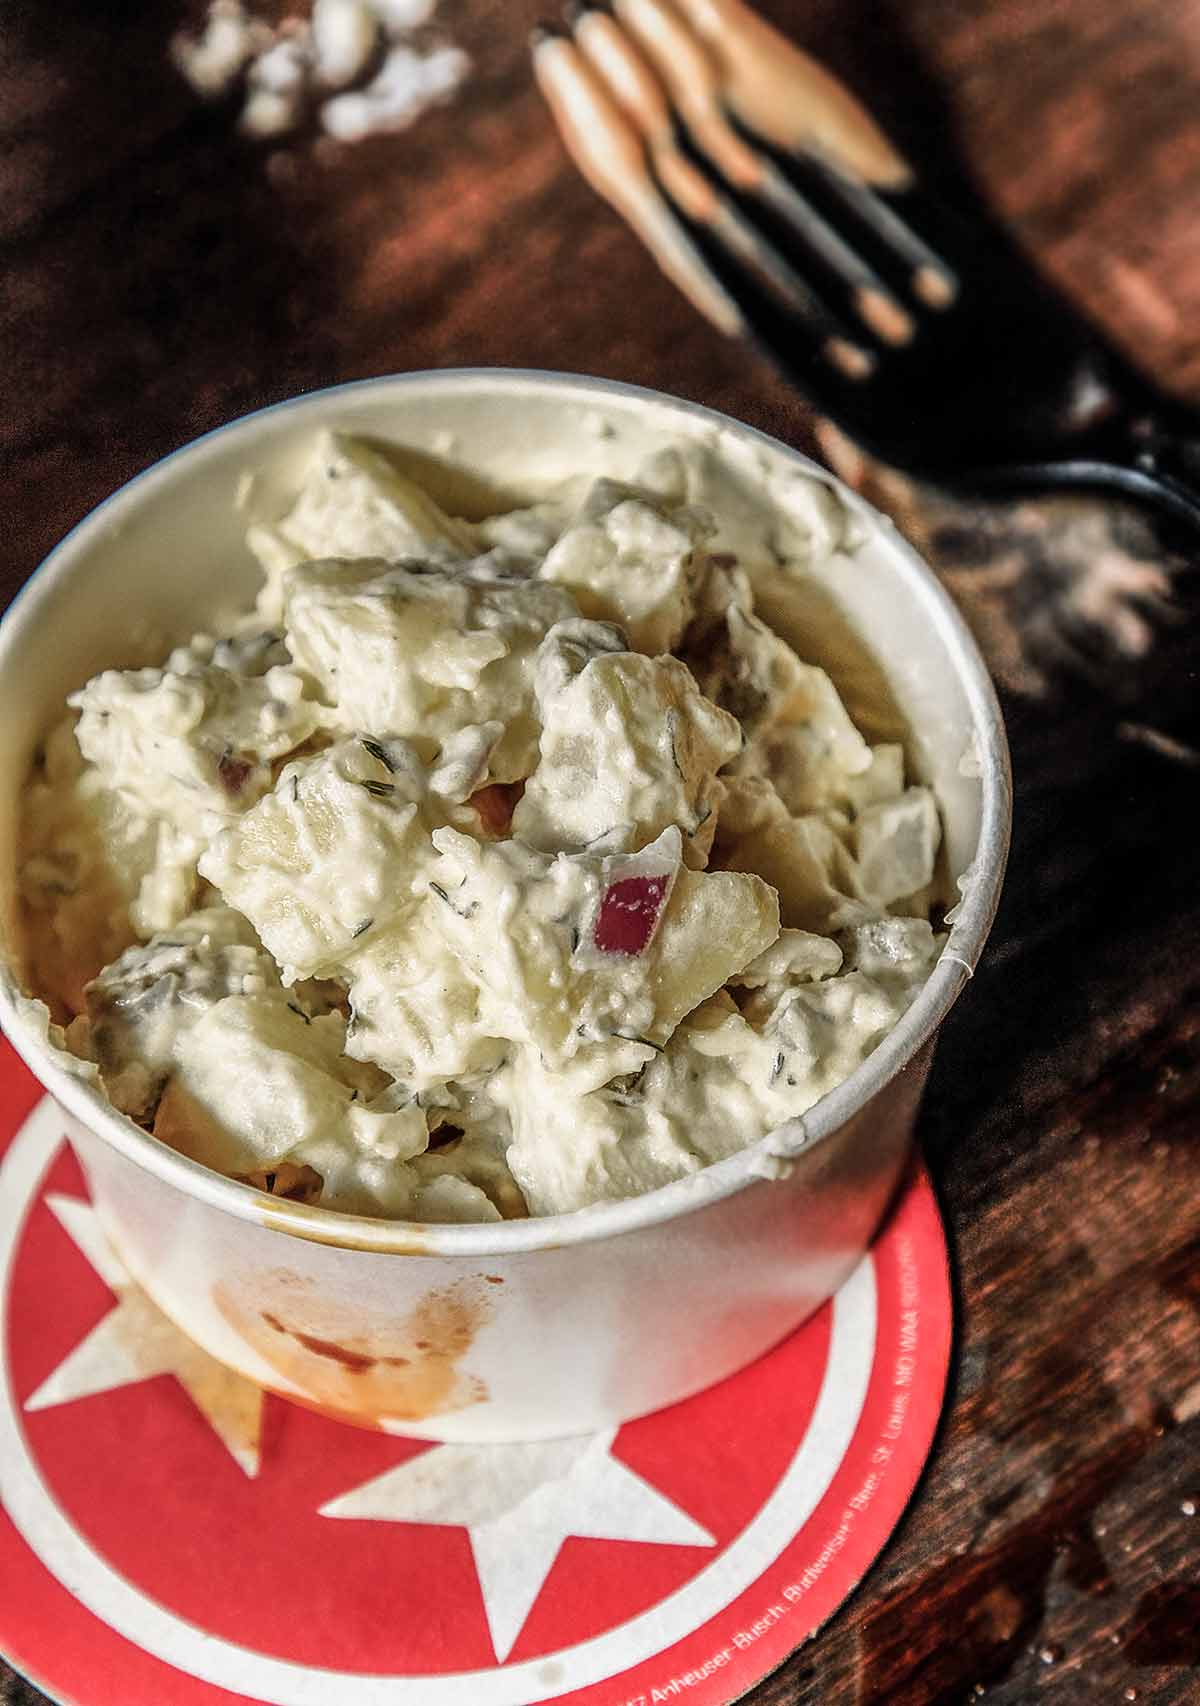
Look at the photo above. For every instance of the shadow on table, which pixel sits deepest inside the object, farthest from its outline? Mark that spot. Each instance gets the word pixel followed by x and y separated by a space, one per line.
pixel 1098 923
pixel 158 277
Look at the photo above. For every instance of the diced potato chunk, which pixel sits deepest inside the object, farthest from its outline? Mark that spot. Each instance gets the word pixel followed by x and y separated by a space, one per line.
pixel 813 753
pixel 260 1083
pixel 420 651
pixel 519 923
pixel 354 502
pixel 145 1002
pixel 896 845
pixel 629 746
pixel 796 956
pixel 801 857
pixel 512 918
pixel 83 856
pixel 630 562
pixel 335 853
pixel 416 1012
pixel 476 1160
pixel 725 1074
pixel 715 922
pixel 573 1146
pixel 192 749
pixel 739 663
pixel 893 951
pixel 882 780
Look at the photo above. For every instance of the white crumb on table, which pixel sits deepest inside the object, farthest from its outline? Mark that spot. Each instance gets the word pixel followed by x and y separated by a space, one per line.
pixel 212 61
pixel 345 34
pixel 408 84
pixel 353 68
pixel 397 16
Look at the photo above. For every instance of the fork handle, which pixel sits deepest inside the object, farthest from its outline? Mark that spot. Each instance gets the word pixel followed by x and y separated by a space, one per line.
pixel 1143 478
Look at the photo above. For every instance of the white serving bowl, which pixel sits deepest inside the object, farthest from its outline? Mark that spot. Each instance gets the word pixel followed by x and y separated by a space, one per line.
pixel 545 1326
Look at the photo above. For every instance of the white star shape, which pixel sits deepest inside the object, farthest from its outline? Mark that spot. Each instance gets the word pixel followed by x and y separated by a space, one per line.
pixel 135 1341
pixel 518 1504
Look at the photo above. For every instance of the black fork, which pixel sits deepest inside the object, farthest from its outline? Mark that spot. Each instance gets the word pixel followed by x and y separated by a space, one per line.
pixel 771 197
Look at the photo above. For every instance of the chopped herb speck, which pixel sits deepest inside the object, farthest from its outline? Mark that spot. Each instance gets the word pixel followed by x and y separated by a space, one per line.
pixel 672 727
pixel 378 753
pixel 458 911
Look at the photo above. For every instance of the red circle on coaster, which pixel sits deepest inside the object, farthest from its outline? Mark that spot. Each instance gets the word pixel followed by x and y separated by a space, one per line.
pixel 173 1536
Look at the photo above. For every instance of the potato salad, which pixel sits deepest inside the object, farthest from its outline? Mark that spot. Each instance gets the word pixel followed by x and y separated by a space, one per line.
pixel 482 869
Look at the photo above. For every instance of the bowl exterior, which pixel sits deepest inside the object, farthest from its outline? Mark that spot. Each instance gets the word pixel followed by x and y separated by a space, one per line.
pixel 554 1341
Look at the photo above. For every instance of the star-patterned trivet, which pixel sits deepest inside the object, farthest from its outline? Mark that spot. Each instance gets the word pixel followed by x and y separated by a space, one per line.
pixel 172 1536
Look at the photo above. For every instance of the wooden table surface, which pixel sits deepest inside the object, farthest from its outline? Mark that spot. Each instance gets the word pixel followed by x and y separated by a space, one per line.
pixel 162 274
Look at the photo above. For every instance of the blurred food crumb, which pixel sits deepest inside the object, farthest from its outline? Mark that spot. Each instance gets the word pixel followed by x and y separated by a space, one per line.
pixel 353 68
pixel 407 84
pixel 212 62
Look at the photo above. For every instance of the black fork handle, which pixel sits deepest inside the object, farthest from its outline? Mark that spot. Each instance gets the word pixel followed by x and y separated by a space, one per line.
pixel 1139 479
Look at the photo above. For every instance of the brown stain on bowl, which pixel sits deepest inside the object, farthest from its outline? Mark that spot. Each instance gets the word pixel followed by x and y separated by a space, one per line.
pixel 401 1371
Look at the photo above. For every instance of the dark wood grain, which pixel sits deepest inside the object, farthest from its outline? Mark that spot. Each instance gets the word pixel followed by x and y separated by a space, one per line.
pixel 1081 121
pixel 161 274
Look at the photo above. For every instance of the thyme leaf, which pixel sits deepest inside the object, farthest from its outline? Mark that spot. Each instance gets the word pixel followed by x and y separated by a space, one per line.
pixel 672 730
pixel 378 753
pixel 632 1037
pixel 457 911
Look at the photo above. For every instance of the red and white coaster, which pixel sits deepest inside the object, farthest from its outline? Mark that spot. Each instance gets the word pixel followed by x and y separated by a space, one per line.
pixel 171 1536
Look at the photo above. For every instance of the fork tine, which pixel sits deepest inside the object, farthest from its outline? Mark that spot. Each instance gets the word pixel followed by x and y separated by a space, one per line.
pixel 634 86
pixel 693 79
pixel 875 304
pixel 797 108
pixel 787 97
pixel 610 154
pixel 747 244
pixel 694 193
pixel 806 342
pixel 690 77
pixel 932 280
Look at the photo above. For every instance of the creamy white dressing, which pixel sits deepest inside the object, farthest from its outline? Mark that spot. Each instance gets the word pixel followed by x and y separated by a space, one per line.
pixel 488 868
